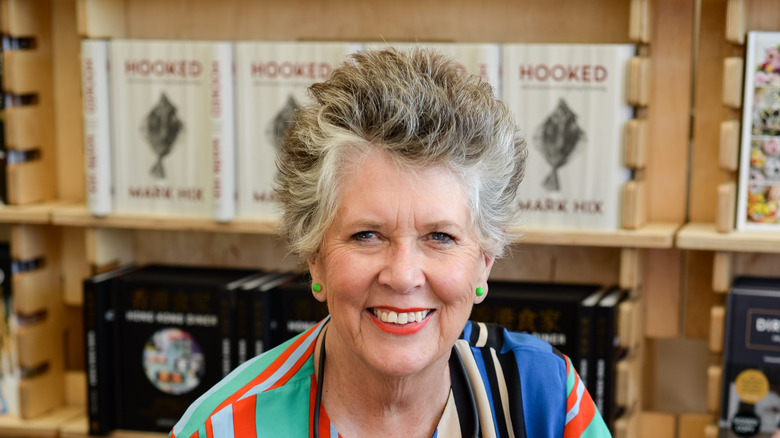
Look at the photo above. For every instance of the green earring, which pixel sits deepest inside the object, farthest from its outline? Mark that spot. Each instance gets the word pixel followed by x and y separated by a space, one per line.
pixel 316 287
pixel 480 291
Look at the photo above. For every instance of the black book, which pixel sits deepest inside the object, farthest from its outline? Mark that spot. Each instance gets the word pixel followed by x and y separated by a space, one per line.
pixel 174 339
pixel 561 314
pixel 99 316
pixel 250 317
pixel 751 360
pixel 606 352
pixel 293 309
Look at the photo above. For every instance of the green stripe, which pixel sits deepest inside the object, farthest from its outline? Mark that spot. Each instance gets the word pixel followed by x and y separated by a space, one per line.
pixel 569 377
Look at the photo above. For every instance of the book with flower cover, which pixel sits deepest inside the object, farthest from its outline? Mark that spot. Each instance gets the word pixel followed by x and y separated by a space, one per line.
pixel 271 83
pixel 174 128
pixel 759 164
pixel 570 100
pixel 750 391
pixel 483 59
pixel 96 108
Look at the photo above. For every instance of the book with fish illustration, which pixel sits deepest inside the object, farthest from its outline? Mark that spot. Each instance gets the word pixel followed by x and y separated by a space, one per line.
pixel 570 101
pixel 271 83
pixel 758 196
pixel 174 127
pixel 483 59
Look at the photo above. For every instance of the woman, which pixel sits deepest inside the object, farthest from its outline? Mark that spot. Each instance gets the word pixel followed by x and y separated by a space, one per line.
pixel 397 186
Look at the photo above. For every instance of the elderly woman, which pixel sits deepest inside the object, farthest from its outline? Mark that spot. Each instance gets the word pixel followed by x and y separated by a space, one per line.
pixel 397 185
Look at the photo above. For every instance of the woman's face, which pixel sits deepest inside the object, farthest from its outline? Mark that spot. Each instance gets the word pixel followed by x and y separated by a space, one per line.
pixel 399 266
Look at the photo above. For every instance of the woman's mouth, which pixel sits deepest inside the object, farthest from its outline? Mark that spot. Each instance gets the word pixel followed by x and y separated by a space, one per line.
pixel 400 321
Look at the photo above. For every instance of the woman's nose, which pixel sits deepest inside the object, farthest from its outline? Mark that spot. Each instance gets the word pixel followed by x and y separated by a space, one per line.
pixel 403 268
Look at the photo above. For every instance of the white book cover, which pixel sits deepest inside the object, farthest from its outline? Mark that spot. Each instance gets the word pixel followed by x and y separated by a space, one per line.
pixel 483 59
pixel 96 107
pixel 271 83
pixel 759 164
pixel 174 127
pixel 570 101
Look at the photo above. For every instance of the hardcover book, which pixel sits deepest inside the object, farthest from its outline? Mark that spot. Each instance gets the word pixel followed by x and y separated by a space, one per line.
pixel 759 164
pixel 174 340
pixel 96 108
pixel 562 315
pixel 571 102
pixel 483 59
pixel 293 309
pixel 751 360
pixel 174 127
pixel 606 353
pixel 271 83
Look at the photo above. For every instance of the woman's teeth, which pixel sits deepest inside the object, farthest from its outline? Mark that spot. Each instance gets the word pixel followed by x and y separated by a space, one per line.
pixel 400 318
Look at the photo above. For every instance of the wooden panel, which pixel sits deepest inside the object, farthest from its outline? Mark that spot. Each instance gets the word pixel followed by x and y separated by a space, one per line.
pixel 714 382
pixel 727 206
pixel 717 327
pixel 628 382
pixel 43 393
pixel 657 425
pixel 74 267
pixel 756 264
pixel 732 82
pixel 704 236
pixel 24 18
pixel 722 271
pixel 23 127
pixel 559 264
pixel 636 144
pixel 634 205
pixel 711 431
pixel 109 248
pixel 25 71
pixel 630 268
pixel 639 21
pixel 46 425
pixel 691 425
pixel 627 426
pixel 762 15
pixel 67 102
pixel 38 342
pixel 76 389
pixel 29 242
pixel 698 296
pixel 662 293
pixel 729 145
pixel 30 182
pixel 35 291
pixel 735 21
pixel 100 18
pixel 639 82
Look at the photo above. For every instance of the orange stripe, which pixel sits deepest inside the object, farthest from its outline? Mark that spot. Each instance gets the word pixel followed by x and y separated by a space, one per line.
pixel 585 415
pixel 244 417
pixel 275 365
pixel 312 401
pixel 324 425
pixel 572 399
pixel 209 428
pixel 294 369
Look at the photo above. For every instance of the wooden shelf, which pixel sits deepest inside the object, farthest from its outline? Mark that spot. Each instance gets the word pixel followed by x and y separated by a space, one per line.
pixel 654 235
pixel 26 214
pixel 78 428
pixel 46 425
pixel 703 236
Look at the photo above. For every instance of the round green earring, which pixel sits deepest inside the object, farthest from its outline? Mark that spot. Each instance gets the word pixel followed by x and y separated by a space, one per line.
pixel 480 291
pixel 316 287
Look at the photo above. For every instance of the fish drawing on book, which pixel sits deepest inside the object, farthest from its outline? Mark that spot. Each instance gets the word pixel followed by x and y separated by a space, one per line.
pixel 556 138
pixel 160 128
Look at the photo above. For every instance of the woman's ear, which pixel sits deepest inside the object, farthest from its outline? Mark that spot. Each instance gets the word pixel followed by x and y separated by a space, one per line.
pixel 483 278
pixel 318 288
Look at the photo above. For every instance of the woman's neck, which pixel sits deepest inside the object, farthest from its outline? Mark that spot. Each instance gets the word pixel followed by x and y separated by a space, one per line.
pixel 362 402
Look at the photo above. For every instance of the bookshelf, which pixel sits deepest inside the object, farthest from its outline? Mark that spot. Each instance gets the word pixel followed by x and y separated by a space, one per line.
pixel 644 259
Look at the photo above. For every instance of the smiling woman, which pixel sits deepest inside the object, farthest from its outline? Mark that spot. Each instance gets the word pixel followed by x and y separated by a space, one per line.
pixel 398 184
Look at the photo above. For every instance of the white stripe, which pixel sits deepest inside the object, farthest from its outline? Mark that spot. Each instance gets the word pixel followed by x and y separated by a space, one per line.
pixel 483 334
pixel 222 422
pixel 478 387
pixel 286 366
pixel 576 408
pixel 503 393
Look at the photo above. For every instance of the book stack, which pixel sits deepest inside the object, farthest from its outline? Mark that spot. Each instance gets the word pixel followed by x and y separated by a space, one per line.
pixel 157 337
pixel 758 199
pixel 751 360
pixel 579 320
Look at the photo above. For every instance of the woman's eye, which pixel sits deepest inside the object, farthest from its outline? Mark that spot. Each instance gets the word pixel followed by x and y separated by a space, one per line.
pixel 441 237
pixel 364 235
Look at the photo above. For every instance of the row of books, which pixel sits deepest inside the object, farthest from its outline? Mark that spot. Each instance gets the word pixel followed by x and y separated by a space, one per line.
pixel 758 199
pixel 157 337
pixel 750 392
pixel 193 127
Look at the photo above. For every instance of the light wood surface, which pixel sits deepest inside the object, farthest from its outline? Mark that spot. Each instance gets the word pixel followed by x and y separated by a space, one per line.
pixel 46 425
pixel 692 425
pixel 657 425
pixel 717 327
pixel 714 382
pixel 703 236
pixel 729 145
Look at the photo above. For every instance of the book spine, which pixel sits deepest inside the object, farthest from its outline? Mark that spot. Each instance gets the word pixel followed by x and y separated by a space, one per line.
pixel 605 355
pixel 97 126
pixel 242 345
pixel 98 332
pixel 226 301
pixel 584 363
pixel 223 134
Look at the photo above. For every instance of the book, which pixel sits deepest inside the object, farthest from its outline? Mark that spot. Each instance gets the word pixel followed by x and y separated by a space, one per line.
pixel 483 59
pixel 174 340
pixel 293 309
pixel 96 108
pixel 759 164
pixel 561 314
pixel 570 100
pixel 271 83
pixel 606 353
pixel 173 127
pixel 751 360
pixel 250 318
pixel 99 315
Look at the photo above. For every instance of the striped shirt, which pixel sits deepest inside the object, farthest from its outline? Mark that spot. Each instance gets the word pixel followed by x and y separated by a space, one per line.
pixel 517 385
